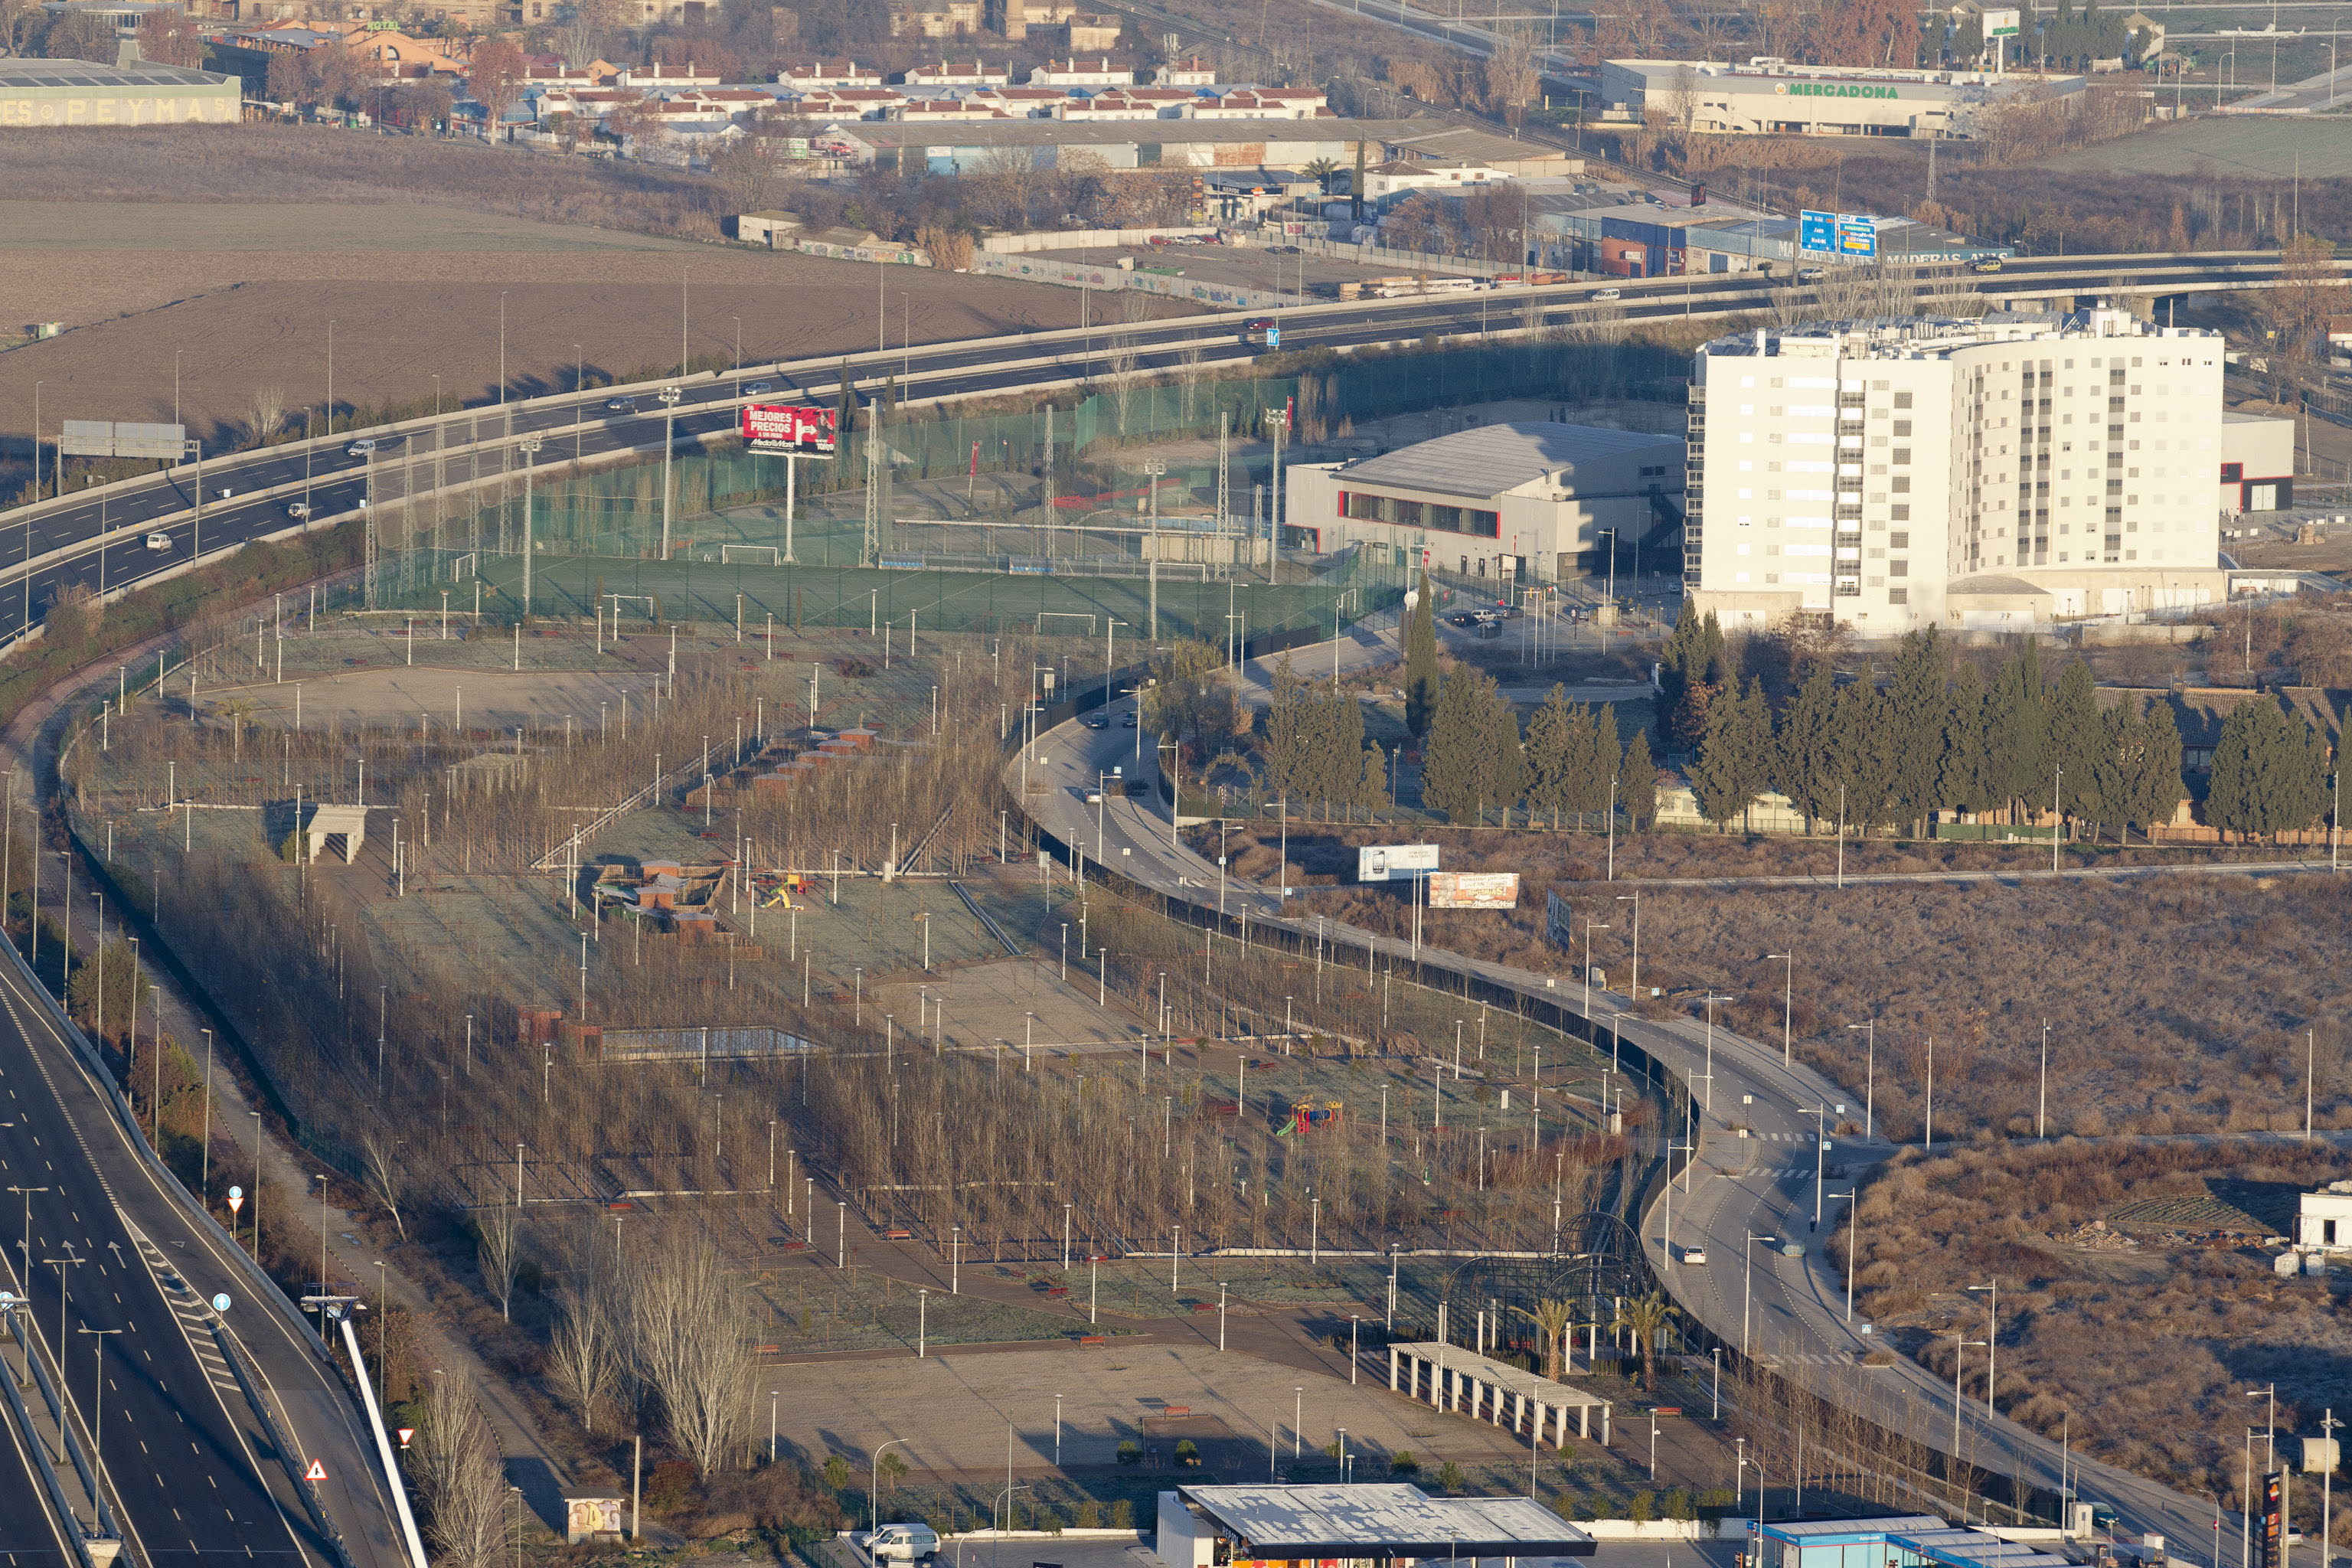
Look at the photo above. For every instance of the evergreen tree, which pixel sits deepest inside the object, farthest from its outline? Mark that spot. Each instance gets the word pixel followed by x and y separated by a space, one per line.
pixel 2268 772
pixel 1473 761
pixel 1290 740
pixel 2018 730
pixel 1421 675
pixel 1675 661
pixel 1340 749
pixel 1372 779
pixel 2076 739
pixel 1603 756
pixel 1965 783
pixel 1735 756
pixel 1549 754
pixel 1805 760
pixel 1867 769
pixel 1687 719
pixel 1713 665
pixel 1916 710
pixel 1637 781
pixel 2155 791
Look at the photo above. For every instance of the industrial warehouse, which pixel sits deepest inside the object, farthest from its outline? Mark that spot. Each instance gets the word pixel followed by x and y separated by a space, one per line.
pixel 1768 96
pixel 134 92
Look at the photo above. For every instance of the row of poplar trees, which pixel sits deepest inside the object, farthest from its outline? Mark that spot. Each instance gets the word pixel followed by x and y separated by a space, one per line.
pixel 2014 750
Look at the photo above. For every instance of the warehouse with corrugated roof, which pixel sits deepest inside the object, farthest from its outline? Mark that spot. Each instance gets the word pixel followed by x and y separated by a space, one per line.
pixel 136 93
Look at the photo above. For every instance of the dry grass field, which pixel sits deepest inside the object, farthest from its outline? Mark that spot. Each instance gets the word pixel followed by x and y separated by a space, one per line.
pixel 2176 1004
pixel 2133 1306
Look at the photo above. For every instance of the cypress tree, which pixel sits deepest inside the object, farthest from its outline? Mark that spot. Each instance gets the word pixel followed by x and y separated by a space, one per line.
pixel 1549 738
pixel 1637 781
pixel 1714 668
pixel 1916 710
pixel 1339 741
pixel 1607 756
pixel 1674 671
pixel 1289 735
pixel 2019 729
pixel 1965 783
pixel 2267 771
pixel 1733 756
pixel 1503 774
pixel 1805 761
pixel 1867 769
pixel 1421 674
pixel 1687 719
pixel 2075 738
pixel 1372 779
pixel 1453 773
pixel 2155 790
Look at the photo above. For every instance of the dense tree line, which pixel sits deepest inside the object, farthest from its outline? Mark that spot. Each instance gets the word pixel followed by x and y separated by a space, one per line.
pixel 1935 741
pixel 1315 748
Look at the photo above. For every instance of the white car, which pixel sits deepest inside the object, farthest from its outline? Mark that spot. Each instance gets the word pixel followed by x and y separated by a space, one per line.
pixel 299 508
pixel 360 448
pixel 159 541
pixel 1694 1255
pixel 1606 294
pixel 908 1543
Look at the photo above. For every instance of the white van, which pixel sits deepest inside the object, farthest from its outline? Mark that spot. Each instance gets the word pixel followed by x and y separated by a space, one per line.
pixel 911 1543
pixel 159 541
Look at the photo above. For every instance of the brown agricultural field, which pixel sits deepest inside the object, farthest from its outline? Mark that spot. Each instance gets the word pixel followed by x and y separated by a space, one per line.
pixel 2136 1301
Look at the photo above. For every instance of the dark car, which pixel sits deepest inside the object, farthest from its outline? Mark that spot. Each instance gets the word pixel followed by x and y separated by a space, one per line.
pixel 1094 721
pixel 1128 722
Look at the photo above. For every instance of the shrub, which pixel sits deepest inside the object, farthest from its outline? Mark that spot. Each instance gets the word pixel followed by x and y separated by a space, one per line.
pixel 837 1472
pixel 1644 1507
pixel 1450 1477
pixel 1188 1452
pixel 673 1488
pixel 1089 1514
pixel 1402 1463
pixel 1679 1506
pixel 1604 1506
pixel 1122 1514
pixel 1131 1452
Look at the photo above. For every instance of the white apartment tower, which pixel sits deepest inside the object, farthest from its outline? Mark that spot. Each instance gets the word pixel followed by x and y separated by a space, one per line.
pixel 1993 474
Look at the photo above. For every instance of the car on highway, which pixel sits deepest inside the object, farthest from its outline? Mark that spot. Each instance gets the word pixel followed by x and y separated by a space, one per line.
pixel 299 508
pixel 1264 331
pixel 159 541
pixel 759 389
pixel 1606 294
pixel 1810 274
pixel 360 448
pixel 1984 264
pixel 621 406
pixel 1128 722
pixel 1094 721
pixel 1695 1254
pixel 1091 794
pixel 1792 1249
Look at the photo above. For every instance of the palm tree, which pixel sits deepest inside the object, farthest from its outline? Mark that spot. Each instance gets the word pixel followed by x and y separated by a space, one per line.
pixel 1320 171
pixel 1551 1318
pixel 236 711
pixel 1645 1318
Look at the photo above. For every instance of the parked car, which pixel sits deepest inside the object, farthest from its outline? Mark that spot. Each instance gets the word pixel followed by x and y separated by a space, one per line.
pixel 621 406
pixel 360 448
pixel 159 541
pixel 903 1542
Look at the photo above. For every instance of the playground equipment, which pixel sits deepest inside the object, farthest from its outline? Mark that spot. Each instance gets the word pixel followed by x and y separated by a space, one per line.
pixel 1306 1116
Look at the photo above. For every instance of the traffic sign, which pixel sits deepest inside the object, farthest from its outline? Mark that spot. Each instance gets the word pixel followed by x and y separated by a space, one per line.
pixel 220 1302
pixel 236 1200
pixel 317 1472
pixel 405 1434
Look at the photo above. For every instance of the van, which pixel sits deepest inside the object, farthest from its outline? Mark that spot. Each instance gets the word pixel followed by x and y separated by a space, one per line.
pixel 360 448
pixel 159 541
pixel 910 1543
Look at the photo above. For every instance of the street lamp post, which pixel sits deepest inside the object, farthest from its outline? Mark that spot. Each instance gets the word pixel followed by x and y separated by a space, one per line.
pixel 1635 982
pixel 1788 999
pixel 1852 1220
pixel 1992 1340
pixel 1870 1073
pixel 1747 1293
pixel 1711 999
pixel 1590 927
pixel 873 1482
pixel 2041 1094
pixel 669 397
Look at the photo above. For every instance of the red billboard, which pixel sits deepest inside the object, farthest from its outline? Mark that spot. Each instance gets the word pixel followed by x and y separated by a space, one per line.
pixel 794 428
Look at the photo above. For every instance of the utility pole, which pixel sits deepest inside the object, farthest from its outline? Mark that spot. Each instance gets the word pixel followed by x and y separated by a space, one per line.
pixel 669 397
pixel 530 444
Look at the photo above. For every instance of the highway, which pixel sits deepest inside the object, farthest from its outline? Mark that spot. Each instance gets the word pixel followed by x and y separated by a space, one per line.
pixel 1791 1312
pixel 99 538
pixel 109 1249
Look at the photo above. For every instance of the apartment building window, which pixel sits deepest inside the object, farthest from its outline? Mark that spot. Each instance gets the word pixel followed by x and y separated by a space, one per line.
pixel 1898 595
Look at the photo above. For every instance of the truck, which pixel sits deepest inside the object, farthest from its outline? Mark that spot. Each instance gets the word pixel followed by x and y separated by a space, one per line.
pixel 906 1542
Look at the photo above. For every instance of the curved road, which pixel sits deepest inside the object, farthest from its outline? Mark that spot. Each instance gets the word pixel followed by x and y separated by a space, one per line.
pixel 1789 1311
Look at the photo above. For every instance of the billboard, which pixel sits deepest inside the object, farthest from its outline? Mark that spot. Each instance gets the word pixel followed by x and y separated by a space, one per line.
pixel 106 438
pixel 795 428
pixel 1560 926
pixel 1378 862
pixel 2000 24
pixel 1473 890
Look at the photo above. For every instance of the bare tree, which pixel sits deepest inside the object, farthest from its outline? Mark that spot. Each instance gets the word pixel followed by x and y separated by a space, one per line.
pixel 582 1352
pixel 500 1253
pixel 687 1344
pixel 459 1483
pixel 377 1147
pixel 1511 74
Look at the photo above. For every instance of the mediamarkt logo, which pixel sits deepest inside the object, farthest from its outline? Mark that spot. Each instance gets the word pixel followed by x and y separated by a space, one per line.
pixel 1833 89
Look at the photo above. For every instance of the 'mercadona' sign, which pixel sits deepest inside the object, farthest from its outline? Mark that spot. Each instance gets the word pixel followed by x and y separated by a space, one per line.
pixel 1833 89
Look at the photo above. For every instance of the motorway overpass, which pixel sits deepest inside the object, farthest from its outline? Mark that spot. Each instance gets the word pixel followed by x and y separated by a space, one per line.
pixel 98 538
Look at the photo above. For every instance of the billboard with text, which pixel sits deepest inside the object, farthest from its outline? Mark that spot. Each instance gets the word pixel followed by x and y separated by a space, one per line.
pixel 796 427
pixel 1378 862
pixel 1473 890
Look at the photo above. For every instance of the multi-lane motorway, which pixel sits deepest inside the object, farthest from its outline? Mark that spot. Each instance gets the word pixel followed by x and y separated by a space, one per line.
pixel 122 1279
pixel 100 539
pixel 1789 1311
